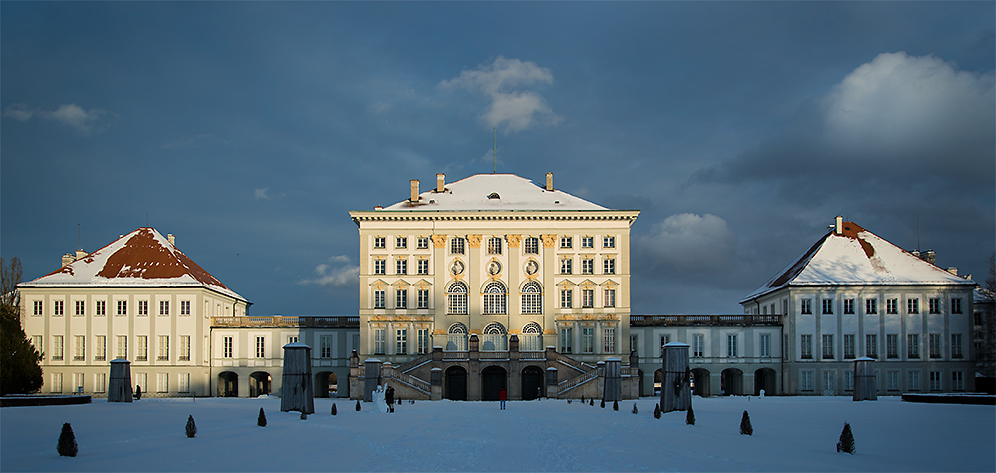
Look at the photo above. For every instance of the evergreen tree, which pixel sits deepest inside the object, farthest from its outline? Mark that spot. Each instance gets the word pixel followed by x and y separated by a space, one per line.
pixel 615 405
pixel 333 409
pixel 591 402
pixel 635 410
pixel 357 405
pixel 67 441
pixel 846 443
pixel 568 401
pixel 603 403
pixel 304 416
pixel 657 411
pixel 261 419
pixel 20 371
pixel 745 427
pixel 191 427
pixel 690 416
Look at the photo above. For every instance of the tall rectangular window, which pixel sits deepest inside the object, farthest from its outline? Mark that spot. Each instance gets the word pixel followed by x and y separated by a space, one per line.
pixel 806 306
pixel 100 308
pixel 871 345
pixel 423 243
pixel 892 380
pixel 163 348
pixel 806 347
pixel 401 266
pixel 57 347
pixel 587 266
pixel 36 340
pixel 77 382
pixel 806 381
pixel 56 382
pixel 587 340
pixel 143 308
pixel 163 308
pixel 698 345
pixel 401 298
pixel 913 305
pixel 423 266
pixel 494 246
pixel 58 308
pixel 609 335
pixel 143 348
pixel 871 306
pixel 892 306
pixel 184 307
pixel 587 298
pixel 380 243
pixel 183 384
pixel 827 306
pixel 914 380
pixel 913 345
pixel 934 343
pixel 848 306
pixel 100 382
pixel 731 345
pixel 122 307
pixel 401 242
pixel 380 299
pixel 422 341
pixel 892 345
pixel 566 340
pixel 122 347
pixel 80 308
pixel 935 380
pixel 609 298
pixel 228 347
pixel 457 245
pixel 957 381
pixel 260 346
pixel 423 299
pixel 325 346
pixel 827 346
pixel 955 305
pixel 184 348
pixel 380 266
pixel 100 348
pixel 80 353
pixel 162 382
pixel 848 346
pixel 39 308
pixel 531 246
pixel 956 350
pixel 848 381
pixel 401 341
pixel 664 340
pixel 566 265
pixel 565 299
pixel 609 266
pixel 380 341
pixel 934 305
pixel 764 345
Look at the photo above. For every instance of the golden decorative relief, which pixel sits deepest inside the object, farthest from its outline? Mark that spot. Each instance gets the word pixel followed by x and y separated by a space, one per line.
pixel 474 241
pixel 549 331
pixel 513 240
pixel 549 241
pixel 439 241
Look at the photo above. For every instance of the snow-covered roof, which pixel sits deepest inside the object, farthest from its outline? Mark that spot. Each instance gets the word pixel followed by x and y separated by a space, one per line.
pixel 857 257
pixel 141 258
pixel 495 192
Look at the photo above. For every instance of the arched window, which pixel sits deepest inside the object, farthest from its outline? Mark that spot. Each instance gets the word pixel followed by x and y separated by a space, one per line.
pixel 456 298
pixel 457 337
pixel 495 299
pixel 531 338
pixel 532 298
pixel 494 338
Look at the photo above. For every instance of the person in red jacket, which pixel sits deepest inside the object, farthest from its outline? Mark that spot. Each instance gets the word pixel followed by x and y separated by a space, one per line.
pixel 502 396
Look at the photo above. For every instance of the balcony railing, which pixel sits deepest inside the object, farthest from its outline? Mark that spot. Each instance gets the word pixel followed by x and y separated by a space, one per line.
pixel 346 321
pixel 692 320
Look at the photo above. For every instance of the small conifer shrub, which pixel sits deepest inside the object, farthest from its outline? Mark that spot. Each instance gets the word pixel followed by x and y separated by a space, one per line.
pixel 333 409
pixel 191 427
pixel 635 410
pixel 846 443
pixel 261 419
pixel 690 416
pixel 304 416
pixel 657 411
pixel 357 405
pixel 583 399
pixel 603 404
pixel 568 401
pixel 615 405
pixel 67 441
pixel 591 402
pixel 745 427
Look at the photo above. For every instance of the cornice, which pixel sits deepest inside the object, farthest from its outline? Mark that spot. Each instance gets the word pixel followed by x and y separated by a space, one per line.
pixel 492 215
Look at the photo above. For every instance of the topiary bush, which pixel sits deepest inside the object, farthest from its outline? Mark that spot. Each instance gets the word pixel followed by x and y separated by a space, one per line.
pixel 615 405
pixel 333 409
pixel 690 416
pixel 745 427
pixel 657 411
pixel 67 441
pixel 603 404
pixel 635 410
pixel 846 443
pixel 261 419
pixel 357 405
pixel 591 402
pixel 191 427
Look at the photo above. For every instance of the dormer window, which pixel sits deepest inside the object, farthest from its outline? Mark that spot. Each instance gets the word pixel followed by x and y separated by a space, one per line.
pixel 494 195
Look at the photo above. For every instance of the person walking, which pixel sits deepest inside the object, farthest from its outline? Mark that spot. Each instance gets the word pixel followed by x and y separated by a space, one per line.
pixel 502 396
pixel 389 398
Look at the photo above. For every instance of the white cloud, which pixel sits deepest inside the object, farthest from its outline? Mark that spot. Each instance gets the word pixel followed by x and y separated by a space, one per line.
pixel 342 276
pixel 72 115
pixel 261 194
pixel 691 242
pixel 504 83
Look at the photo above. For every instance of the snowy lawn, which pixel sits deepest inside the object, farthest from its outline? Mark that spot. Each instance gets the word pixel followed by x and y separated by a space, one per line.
pixel 790 434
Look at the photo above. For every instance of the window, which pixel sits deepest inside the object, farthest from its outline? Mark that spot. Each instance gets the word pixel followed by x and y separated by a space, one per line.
pixel 57 382
pixel 871 306
pixel 423 299
pixel 566 265
pixel 58 308
pixel 77 382
pixel 422 341
pixel 829 383
pixel 934 344
pixel 456 299
pixel 261 347
pixel 163 308
pixel 892 306
pixel 380 299
pixel 531 246
pixel 456 337
pixel 892 345
pixel 162 382
pixel 380 266
pixel 609 266
pixel 143 348
pixel 587 242
pixel 827 306
pixel 849 306
pixel 892 380
pixel 827 346
pixel 587 298
pixel 765 345
pixel 957 381
pixel 457 245
pixel 100 348
pixel 532 298
pixel 228 347
pixel 494 246
pixel 609 242
pixel 956 351
pixel 401 242
pixel 609 298
pixel 38 308
pixel 57 347
pixel 143 308
pixel 731 345
pixel 913 378
pixel 806 347
pixel 401 298
pixel 587 340
pixel 422 243
pixel 955 305
pixel 806 381
pixel 122 307
pixel 163 348
pixel 566 339
pixel 122 347
pixel 587 266
pixel 848 381
pixel 184 348
pixel 698 345
pixel 913 345
pixel 806 307
pixel 184 307
pixel 913 306
pixel 100 382
pixel 566 242
pixel 423 266
pixel 380 242
pixel 934 305
pixel 401 266
pixel 183 384
pixel 565 299
pixel 80 346
pixel 849 346
pixel 495 299
pixel 380 341
pixel 325 346
pixel 664 340
pixel 935 380
pixel 871 345
pixel 609 336
pixel 292 339
pixel 494 338
pixel 36 340
pixel 100 308
pixel 80 308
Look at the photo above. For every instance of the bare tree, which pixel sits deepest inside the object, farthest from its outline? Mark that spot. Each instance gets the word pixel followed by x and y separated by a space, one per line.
pixel 10 277
pixel 987 356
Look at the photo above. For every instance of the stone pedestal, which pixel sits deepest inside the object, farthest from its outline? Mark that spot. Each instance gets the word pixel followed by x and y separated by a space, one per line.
pixel 371 378
pixel 436 384
pixel 297 392
pixel 551 382
pixel 613 380
pixel 864 380
pixel 119 389
pixel 676 390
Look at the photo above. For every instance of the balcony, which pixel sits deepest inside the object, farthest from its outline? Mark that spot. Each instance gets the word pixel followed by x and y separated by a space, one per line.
pixel 247 321
pixel 700 320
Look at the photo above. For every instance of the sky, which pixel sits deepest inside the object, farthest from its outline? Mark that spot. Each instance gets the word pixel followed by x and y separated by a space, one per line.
pixel 739 129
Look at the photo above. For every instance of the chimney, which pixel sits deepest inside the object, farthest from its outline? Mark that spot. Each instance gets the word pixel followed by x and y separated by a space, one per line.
pixel 172 239
pixel 80 254
pixel 839 229
pixel 67 258
pixel 953 270
pixel 549 181
pixel 929 256
pixel 414 197
pixel 440 182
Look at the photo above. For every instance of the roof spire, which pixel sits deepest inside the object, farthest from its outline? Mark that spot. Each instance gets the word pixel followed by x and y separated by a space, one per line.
pixel 494 170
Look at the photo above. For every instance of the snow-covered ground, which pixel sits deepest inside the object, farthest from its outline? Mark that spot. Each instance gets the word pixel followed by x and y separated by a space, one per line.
pixel 790 434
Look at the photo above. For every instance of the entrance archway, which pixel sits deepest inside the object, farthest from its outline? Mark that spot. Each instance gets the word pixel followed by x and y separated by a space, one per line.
pixel 456 383
pixel 658 378
pixel 326 384
pixel 259 383
pixel 764 378
pixel 732 382
pixel 492 380
pixel 532 383
pixel 228 384
pixel 700 382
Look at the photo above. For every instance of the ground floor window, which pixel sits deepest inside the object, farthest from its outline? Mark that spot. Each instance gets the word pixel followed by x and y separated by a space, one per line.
pixel 566 340
pixel 892 380
pixel 56 383
pixel 935 380
pixel 100 382
pixel 914 381
pixel 380 341
pixel 957 381
pixel 806 381
pixel 183 384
